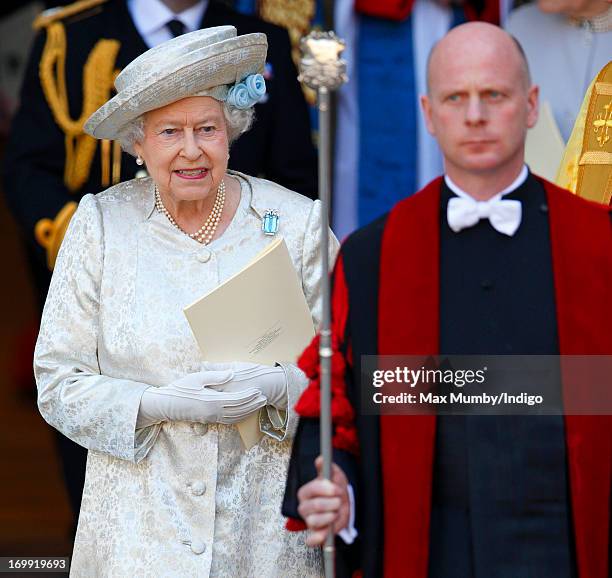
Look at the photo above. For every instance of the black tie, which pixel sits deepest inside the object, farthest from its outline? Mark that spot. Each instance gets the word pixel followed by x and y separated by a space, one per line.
pixel 176 27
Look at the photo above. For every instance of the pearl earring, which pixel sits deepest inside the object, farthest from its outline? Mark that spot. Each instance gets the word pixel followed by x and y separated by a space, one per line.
pixel 139 161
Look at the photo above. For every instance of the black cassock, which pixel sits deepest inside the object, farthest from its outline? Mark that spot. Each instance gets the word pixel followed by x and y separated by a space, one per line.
pixel 500 498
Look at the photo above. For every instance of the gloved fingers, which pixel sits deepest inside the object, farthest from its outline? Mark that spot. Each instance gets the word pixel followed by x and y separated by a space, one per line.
pixel 208 395
pixel 246 407
pixel 233 419
pixel 255 371
pixel 233 414
pixel 274 387
pixel 234 386
pixel 241 398
pixel 198 381
pixel 268 381
pixel 217 377
pixel 272 382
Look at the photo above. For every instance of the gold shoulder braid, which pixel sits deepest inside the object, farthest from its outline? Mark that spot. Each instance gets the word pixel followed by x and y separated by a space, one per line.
pixel 50 233
pixel 98 75
pixel 586 168
pixel 296 17
pixel 61 12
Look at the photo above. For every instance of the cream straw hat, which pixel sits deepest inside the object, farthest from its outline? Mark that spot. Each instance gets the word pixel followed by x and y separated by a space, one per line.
pixel 206 62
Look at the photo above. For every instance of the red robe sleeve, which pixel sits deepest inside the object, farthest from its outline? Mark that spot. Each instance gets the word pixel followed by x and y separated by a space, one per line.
pixel 309 404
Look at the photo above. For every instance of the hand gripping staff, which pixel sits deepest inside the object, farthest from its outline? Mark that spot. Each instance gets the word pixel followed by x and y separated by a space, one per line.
pixel 322 69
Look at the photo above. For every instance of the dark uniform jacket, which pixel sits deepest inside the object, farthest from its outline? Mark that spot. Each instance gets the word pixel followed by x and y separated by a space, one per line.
pixel 469 496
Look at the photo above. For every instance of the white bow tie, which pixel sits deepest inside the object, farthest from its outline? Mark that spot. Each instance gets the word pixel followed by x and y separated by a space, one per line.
pixel 504 215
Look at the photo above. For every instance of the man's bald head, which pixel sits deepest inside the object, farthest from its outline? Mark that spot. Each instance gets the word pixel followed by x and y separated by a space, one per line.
pixel 480 104
pixel 474 37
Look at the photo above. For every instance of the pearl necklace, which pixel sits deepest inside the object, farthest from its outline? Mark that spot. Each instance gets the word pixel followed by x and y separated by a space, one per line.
pixel 207 231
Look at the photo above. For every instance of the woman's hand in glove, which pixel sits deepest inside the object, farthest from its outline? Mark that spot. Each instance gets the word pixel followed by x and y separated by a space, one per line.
pixel 271 381
pixel 195 397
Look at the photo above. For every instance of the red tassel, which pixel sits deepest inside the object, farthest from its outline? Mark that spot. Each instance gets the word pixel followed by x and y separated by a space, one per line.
pixel 309 404
pixel 345 438
pixel 309 360
pixel 342 411
pixel 295 525
pixel 338 368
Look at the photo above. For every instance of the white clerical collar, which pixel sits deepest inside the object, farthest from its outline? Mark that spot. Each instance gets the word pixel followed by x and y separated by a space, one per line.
pixel 151 16
pixel 516 183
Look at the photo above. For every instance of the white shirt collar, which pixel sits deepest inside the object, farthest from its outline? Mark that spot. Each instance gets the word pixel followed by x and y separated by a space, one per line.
pixel 150 16
pixel 516 183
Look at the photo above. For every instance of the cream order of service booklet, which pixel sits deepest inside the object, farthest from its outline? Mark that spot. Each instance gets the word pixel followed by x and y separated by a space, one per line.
pixel 258 315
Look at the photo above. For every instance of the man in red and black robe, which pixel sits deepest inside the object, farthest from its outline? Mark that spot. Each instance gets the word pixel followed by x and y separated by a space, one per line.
pixel 466 495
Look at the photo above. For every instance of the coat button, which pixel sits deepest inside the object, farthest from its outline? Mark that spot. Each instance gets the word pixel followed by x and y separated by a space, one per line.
pixel 198 488
pixel 203 255
pixel 199 428
pixel 197 546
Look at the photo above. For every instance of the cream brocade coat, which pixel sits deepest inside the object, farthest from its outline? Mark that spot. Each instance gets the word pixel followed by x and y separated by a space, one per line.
pixel 178 498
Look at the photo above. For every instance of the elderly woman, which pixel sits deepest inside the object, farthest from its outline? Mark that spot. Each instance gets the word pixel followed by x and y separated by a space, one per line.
pixel 170 489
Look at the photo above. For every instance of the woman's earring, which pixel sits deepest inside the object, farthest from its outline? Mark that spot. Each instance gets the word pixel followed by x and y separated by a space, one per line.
pixel 139 161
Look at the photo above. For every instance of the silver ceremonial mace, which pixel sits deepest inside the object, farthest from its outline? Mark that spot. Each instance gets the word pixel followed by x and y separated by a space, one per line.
pixel 322 69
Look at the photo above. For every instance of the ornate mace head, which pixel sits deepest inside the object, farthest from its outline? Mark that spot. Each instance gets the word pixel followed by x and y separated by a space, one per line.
pixel 321 65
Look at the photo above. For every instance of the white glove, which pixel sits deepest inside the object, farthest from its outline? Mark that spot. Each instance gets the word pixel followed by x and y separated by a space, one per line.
pixel 271 381
pixel 191 399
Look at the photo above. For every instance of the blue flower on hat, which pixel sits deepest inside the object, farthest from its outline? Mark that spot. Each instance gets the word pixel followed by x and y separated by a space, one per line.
pixel 238 96
pixel 256 85
pixel 246 93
